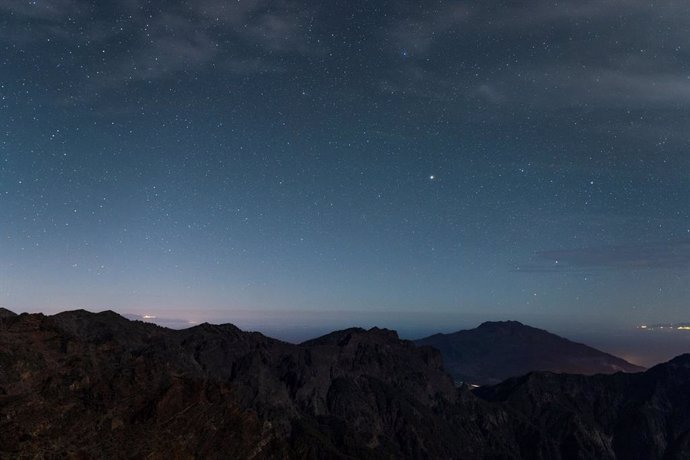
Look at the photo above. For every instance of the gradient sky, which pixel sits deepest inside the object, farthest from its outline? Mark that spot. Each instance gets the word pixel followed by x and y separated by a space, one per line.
pixel 402 163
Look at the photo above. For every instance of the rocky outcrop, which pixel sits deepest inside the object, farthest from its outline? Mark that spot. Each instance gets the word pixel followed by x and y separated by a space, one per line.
pixel 621 416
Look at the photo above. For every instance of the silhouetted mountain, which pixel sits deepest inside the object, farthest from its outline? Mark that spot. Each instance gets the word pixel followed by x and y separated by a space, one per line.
pixel 6 313
pixel 621 416
pixel 84 385
pixel 495 351
pixel 98 385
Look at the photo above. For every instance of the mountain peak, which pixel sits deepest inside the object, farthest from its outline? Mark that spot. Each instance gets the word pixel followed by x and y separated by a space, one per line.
pixel 345 336
pixel 5 313
pixel 504 325
pixel 681 360
pixel 82 313
pixel 224 327
pixel 497 350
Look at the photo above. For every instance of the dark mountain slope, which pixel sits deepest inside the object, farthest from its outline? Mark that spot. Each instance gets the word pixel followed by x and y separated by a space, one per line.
pixel 98 385
pixel 624 416
pixel 88 385
pixel 84 385
pixel 495 351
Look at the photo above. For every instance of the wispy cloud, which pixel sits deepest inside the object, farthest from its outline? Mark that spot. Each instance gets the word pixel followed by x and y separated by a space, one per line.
pixel 612 86
pixel 422 28
pixel 417 33
pixel 151 43
pixel 170 44
pixel 610 54
pixel 54 10
pixel 534 13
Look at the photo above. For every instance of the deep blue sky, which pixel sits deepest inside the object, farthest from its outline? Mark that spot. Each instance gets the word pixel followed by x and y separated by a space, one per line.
pixel 410 164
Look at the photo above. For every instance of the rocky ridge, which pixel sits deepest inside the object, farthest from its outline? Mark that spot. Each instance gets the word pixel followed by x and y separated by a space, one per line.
pixel 86 385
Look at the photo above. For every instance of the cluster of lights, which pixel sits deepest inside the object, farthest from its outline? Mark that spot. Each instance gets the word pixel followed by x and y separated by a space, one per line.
pixel 667 327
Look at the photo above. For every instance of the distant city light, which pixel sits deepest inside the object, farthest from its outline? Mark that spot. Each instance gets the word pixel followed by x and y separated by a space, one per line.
pixel 665 327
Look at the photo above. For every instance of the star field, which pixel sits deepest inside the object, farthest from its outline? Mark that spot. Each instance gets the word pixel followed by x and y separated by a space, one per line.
pixel 373 160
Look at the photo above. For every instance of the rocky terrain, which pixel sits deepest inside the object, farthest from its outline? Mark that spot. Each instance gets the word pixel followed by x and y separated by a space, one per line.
pixel 621 416
pixel 495 351
pixel 83 385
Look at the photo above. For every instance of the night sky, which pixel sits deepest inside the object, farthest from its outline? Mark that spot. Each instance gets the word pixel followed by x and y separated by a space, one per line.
pixel 408 164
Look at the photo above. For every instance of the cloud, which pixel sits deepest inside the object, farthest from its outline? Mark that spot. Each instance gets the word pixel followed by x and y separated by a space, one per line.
pixel 139 42
pixel 54 10
pixel 535 13
pixel 574 54
pixel 418 33
pixel 273 25
pixel 613 86
pixel 647 88
pixel 170 44
pixel 423 28
pixel 507 56
pixel 670 255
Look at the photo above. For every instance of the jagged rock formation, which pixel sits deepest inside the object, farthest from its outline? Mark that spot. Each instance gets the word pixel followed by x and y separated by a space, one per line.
pixel 98 385
pixel 84 385
pixel 621 416
pixel 495 351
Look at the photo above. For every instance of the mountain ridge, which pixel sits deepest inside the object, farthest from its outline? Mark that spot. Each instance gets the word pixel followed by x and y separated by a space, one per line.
pixel 497 350
pixel 86 385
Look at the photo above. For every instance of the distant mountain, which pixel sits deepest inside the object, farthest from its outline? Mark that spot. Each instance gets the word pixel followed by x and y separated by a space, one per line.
pixel 95 385
pixel 495 351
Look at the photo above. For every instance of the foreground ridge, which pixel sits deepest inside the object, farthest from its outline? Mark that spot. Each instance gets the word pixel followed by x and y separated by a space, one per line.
pixel 96 385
